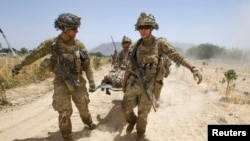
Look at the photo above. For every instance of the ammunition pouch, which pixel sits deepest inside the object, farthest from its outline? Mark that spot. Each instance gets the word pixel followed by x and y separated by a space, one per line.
pixel 150 60
pixel 161 71
pixel 167 63
pixel 150 69
pixel 68 83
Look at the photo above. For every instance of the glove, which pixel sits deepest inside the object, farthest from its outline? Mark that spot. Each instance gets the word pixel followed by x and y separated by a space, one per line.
pixel 197 75
pixel 92 87
pixel 16 69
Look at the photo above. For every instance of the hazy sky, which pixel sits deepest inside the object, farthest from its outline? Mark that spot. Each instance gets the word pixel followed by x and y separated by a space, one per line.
pixel 226 23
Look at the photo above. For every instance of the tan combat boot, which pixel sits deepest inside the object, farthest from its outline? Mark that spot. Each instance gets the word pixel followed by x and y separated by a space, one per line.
pixel 130 127
pixel 92 126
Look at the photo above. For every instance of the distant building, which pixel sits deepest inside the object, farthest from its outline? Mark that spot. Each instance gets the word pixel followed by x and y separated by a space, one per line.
pixel 4 54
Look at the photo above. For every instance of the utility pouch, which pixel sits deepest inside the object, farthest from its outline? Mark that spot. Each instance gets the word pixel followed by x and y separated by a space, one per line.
pixel 150 70
pixel 152 59
pixel 147 70
pixel 153 68
pixel 160 71
pixel 69 85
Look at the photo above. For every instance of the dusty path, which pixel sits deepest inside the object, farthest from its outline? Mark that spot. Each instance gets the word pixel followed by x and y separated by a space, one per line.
pixel 185 111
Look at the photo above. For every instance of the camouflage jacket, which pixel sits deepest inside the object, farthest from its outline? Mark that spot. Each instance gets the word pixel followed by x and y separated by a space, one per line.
pixel 69 50
pixel 122 58
pixel 149 55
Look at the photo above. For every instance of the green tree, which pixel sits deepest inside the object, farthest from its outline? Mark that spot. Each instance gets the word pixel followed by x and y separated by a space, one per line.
pixel 5 50
pixel 97 54
pixel 24 50
pixel 230 76
pixel 204 51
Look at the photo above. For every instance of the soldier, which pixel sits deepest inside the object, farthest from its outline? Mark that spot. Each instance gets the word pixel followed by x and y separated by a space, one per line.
pixel 122 55
pixel 115 76
pixel 146 56
pixel 70 54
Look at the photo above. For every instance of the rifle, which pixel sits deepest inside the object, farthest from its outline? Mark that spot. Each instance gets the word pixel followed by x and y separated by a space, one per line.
pixel 63 65
pixel 140 74
pixel 115 52
pixel 113 43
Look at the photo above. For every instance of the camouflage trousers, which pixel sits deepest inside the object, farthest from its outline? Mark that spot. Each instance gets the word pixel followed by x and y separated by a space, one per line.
pixel 115 78
pixel 135 96
pixel 62 104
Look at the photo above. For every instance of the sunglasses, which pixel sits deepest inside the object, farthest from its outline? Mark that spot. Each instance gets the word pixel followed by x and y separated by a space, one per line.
pixel 125 42
pixel 75 29
pixel 144 27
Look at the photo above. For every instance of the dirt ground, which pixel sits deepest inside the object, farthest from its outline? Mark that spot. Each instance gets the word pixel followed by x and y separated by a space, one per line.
pixel 185 111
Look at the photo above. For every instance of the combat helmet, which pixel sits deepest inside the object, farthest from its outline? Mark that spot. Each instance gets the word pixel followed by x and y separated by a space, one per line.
pixel 145 19
pixel 126 39
pixel 67 21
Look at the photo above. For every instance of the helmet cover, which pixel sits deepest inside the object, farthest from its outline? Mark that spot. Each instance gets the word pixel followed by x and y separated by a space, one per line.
pixel 145 19
pixel 126 39
pixel 67 20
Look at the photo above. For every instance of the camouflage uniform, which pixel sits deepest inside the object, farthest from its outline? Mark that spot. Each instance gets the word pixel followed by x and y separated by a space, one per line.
pixel 62 92
pixel 122 55
pixel 149 57
pixel 115 76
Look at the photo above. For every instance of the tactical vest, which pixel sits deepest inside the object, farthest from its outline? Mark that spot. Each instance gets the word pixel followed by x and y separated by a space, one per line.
pixel 71 54
pixel 66 61
pixel 151 60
